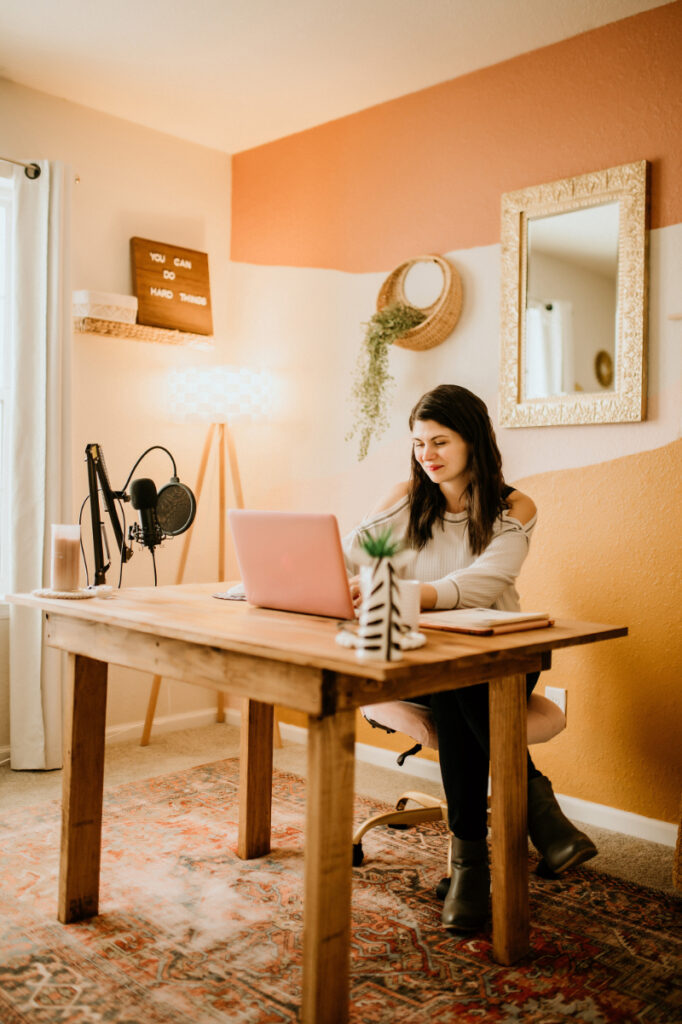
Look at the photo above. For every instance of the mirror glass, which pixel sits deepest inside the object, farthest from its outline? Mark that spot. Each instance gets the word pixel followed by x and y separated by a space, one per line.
pixel 571 301
pixel 574 300
pixel 423 284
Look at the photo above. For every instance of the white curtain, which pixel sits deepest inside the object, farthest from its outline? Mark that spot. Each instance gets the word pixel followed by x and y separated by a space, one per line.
pixel 549 363
pixel 40 447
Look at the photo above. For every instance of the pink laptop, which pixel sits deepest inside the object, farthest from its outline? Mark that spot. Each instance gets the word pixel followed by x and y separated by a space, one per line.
pixel 292 561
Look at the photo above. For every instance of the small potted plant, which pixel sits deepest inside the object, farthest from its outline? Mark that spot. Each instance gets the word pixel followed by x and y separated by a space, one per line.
pixel 372 382
pixel 381 626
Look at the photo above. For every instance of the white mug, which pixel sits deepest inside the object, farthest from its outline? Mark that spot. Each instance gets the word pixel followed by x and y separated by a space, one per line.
pixel 409 594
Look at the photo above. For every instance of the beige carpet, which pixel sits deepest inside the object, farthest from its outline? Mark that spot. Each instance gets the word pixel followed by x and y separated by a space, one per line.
pixel 635 860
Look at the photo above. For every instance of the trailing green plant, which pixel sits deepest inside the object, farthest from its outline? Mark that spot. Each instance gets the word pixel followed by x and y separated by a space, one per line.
pixel 372 382
pixel 380 545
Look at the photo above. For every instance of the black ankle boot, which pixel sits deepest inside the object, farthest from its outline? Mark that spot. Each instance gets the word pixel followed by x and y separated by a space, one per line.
pixel 561 844
pixel 466 904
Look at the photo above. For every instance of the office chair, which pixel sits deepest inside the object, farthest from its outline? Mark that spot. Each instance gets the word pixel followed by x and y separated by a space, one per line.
pixel 545 720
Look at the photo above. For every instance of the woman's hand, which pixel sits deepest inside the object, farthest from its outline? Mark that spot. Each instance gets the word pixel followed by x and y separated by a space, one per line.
pixel 427 593
pixel 354 584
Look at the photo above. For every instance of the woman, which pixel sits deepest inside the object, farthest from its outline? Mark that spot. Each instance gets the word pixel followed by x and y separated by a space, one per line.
pixel 469 534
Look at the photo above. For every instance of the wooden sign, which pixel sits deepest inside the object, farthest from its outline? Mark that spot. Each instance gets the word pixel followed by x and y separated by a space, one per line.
pixel 172 286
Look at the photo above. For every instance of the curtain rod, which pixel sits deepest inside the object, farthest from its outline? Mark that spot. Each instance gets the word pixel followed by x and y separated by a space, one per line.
pixel 31 171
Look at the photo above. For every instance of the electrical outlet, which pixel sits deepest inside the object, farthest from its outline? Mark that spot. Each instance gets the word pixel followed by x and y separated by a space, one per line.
pixel 556 694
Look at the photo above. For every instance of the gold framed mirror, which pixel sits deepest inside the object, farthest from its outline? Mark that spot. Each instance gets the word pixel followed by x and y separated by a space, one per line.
pixel 574 288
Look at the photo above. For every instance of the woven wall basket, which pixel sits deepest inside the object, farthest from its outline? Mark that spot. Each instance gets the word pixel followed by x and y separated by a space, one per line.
pixel 441 316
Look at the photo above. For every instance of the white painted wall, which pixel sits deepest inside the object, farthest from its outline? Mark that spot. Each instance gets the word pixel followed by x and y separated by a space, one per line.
pixel 307 325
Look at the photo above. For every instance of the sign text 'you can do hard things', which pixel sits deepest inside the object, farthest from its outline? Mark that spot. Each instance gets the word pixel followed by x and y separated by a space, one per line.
pixel 172 286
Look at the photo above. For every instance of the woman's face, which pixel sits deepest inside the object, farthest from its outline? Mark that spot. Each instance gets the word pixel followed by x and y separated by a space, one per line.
pixel 442 453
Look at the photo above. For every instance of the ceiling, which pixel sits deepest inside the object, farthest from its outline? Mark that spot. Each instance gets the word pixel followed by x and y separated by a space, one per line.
pixel 232 74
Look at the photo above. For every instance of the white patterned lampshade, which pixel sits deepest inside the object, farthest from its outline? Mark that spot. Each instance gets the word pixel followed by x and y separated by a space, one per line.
pixel 216 394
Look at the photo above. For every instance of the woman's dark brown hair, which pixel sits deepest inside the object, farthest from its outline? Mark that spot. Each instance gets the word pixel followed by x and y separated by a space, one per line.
pixel 459 409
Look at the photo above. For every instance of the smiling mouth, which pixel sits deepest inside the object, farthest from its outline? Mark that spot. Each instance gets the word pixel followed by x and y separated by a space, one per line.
pixel 433 469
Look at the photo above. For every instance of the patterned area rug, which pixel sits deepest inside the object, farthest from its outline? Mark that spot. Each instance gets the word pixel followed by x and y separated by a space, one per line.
pixel 190 933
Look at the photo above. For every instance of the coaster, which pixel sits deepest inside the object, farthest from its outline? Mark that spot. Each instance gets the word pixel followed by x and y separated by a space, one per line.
pixel 408 641
pixel 69 595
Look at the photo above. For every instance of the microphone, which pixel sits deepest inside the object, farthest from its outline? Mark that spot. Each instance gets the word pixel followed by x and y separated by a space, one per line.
pixel 143 499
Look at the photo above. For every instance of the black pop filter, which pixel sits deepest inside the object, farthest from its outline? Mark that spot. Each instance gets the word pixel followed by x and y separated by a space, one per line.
pixel 175 508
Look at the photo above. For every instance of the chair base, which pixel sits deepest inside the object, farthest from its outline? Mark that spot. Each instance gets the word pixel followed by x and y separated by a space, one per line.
pixel 429 808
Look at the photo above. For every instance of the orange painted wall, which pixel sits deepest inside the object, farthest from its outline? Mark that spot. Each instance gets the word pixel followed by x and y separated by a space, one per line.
pixel 607 548
pixel 424 173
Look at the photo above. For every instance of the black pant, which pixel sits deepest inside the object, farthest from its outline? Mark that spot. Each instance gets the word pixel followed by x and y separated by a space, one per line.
pixel 461 719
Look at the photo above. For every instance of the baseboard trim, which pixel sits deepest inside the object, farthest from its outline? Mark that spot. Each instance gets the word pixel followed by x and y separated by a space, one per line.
pixel 164 723
pixel 600 815
pixel 636 825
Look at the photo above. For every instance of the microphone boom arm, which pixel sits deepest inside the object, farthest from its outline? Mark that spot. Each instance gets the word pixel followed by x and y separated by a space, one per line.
pixel 98 471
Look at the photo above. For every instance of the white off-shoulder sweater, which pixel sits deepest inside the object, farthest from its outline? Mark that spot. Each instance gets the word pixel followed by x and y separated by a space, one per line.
pixel 461 579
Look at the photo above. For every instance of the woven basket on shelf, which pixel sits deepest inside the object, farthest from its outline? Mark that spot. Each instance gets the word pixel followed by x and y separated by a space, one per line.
pixel 441 316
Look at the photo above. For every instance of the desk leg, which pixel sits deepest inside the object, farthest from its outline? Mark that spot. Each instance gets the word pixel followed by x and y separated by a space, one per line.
pixel 509 811
pixel 255 779
pixel 82 787
pixel 328 872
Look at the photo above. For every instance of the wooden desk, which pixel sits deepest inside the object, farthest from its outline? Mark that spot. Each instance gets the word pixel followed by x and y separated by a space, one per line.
pixel 269 658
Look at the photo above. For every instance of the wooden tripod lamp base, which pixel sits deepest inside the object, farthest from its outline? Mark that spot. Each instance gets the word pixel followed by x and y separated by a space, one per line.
pixel 225 448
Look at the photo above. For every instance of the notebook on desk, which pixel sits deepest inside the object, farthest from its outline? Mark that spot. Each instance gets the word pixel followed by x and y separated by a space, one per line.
pixel 483 621
pixel 292 561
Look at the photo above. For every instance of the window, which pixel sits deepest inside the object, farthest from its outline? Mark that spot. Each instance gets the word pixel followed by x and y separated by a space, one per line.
pixel 6 200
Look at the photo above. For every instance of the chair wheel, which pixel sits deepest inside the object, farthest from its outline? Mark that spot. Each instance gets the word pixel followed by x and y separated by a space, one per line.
pixel 358 855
